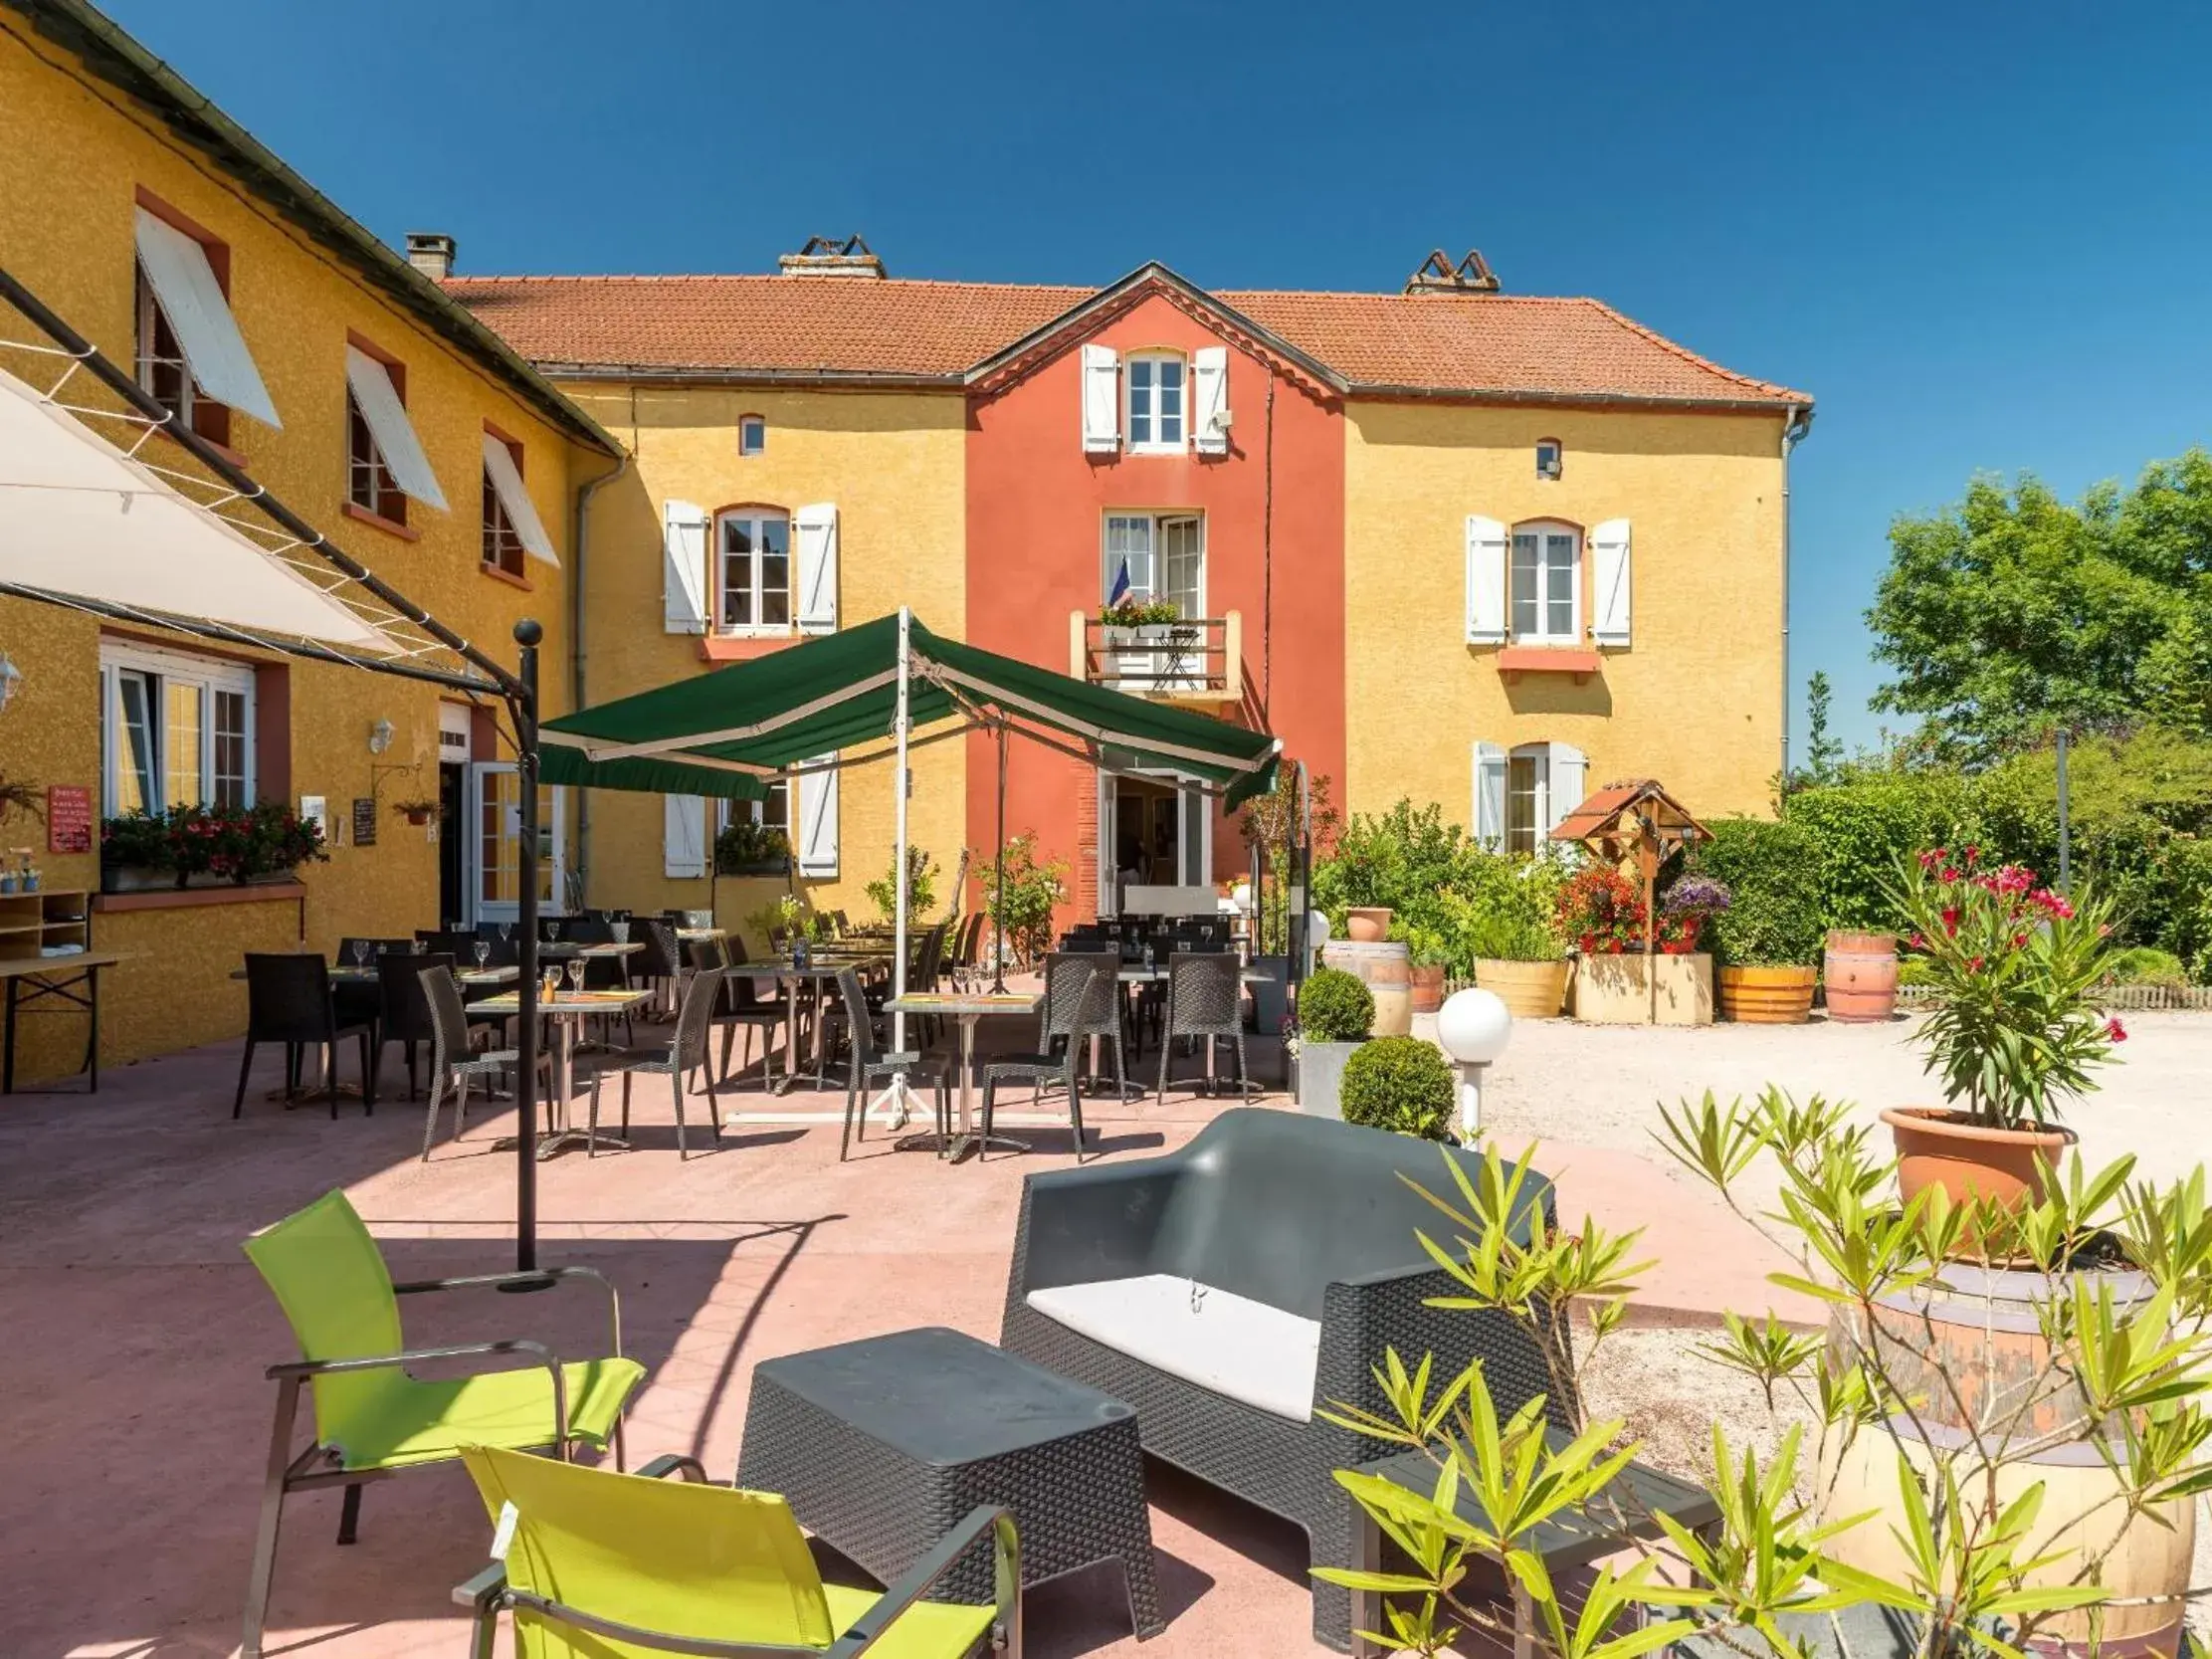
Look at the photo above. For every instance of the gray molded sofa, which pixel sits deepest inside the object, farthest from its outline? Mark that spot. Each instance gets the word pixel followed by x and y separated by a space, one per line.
pixel 1229 1288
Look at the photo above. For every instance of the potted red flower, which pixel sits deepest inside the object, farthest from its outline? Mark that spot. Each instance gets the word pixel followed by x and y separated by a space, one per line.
pixel 2012 1031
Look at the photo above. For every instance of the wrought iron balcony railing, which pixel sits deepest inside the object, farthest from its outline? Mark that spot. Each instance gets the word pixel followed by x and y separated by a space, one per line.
pixel 1198 660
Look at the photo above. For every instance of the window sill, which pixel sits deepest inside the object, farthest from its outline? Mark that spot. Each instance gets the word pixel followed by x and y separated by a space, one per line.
pixel 500 573
pixel 1515 660
pixel 376 521
pixel 1155 449
pixel 743 648
pixel 180 898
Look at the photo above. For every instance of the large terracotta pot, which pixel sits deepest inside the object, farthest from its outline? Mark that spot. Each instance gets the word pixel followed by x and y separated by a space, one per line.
pixel 1428 987
pixel 1387 975
pixel 1967 1348
pixel 1860 974
pixel 1781 996
pixel 1940 1148
pixel 1529 990
pixel 1367 923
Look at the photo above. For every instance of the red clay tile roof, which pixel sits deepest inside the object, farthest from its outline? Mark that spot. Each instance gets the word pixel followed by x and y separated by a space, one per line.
pixel 1476 345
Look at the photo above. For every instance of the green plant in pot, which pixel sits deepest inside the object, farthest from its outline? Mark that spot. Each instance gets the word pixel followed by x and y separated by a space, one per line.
pixel 1766 944
pixel 2012 1029
pixel 922 886
pixel 1336 1013
pixel 1403 1084
pixel 746 848
pixel 1512 946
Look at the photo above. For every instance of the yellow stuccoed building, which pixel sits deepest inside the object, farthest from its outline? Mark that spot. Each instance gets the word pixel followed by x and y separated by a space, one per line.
pixel 94 139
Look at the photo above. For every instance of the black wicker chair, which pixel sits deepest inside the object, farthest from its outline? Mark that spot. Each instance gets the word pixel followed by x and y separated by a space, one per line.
pixel 289 1000
pixel 403 1013
pixel 1205 999
pixel 1079 1004
pixel 1286 1226
pixel 684 1054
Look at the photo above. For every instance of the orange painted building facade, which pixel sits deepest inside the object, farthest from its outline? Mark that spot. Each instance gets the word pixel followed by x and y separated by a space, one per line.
pixel 1266 503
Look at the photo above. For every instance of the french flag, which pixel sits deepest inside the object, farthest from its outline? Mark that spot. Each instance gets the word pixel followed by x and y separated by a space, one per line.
pixel 1121 584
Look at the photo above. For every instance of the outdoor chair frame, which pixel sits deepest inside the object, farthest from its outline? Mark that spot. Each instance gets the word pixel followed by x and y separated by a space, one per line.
pixel 686 1053
pixel 1205 999
pixel 453 1058
pixel 866 1066
pixel 290 1001
pixel 488 1594
pixel 322 1465
pixel 1079 1003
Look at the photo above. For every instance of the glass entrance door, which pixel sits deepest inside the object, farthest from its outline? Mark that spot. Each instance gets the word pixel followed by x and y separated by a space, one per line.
pixel 495 843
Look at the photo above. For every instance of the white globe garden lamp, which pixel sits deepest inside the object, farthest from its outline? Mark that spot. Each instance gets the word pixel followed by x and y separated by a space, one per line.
pixel 1473 1026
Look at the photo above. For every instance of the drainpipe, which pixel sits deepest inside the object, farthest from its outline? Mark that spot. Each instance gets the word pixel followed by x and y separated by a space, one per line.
pixel 1794 426
pixel 579 544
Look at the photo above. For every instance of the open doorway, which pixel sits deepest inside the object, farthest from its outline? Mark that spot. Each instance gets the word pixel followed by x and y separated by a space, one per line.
pixel 453 841
pixel 1152 832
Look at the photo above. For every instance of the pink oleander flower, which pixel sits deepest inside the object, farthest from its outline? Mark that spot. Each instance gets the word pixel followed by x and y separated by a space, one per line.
pixel 2115 1030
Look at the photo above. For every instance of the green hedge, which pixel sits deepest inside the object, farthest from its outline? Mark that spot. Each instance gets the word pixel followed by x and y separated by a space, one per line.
pixel 1775 914
pixel 1400 1084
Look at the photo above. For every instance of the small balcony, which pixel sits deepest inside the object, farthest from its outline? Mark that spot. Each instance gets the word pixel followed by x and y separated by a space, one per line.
pixel 1199 660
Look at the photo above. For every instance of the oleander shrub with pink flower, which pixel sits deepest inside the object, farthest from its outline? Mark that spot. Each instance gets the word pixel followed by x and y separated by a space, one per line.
pixel 2010 966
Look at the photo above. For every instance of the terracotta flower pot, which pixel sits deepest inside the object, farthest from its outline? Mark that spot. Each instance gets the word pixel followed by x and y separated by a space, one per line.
pixel 1428 987
pixel 1860 974
pixel 1368 923
pixel 1938 1147
pixel 1768 995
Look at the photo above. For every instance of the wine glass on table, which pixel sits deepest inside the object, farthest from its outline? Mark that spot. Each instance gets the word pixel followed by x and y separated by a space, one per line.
pixel 360 953
pixel 576 973
pixel 483 952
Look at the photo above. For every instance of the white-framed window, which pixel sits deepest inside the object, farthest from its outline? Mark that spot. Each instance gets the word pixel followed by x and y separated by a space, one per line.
pixel 164 374
pixel 176 730
pixel 1527 798
pixel 1551 457
pixel 1156 387
pixel 1546 583
pixel 776 811
pixel 1164 554
pixel 1522 793
pixel 752 434
pixel 753 560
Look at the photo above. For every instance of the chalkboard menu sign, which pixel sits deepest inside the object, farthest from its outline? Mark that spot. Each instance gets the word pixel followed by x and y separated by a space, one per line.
pixel 364 822
pixel 69 818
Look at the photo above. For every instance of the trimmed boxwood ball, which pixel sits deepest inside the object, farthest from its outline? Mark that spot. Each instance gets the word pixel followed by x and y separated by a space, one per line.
pixel 1400 1084
pixel 1336 1007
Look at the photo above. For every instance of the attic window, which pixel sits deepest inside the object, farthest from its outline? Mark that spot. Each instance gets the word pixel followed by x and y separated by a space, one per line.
pixel 752 434
pixel 1551 456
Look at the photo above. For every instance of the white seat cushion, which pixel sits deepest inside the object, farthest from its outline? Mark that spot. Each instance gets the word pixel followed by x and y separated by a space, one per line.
pixel 1229 1343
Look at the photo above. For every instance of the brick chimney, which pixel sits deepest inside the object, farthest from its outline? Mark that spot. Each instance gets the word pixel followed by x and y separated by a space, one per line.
pixel 826 256
pixel 1438 275
pixel 431 253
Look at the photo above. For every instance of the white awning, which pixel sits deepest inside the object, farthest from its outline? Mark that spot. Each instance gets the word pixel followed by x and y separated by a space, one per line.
pixel 192 299
pixel 394 433
pixel 80 518
pixel 507 482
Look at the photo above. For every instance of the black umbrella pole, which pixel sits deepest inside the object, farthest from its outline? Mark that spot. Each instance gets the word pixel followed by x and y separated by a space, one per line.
pixel 524 707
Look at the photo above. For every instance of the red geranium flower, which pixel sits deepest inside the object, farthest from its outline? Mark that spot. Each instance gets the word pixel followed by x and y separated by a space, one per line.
pixel 2115 1030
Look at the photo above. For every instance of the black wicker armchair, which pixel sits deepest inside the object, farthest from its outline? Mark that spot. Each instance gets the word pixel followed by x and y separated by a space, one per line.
pixel 1228 1289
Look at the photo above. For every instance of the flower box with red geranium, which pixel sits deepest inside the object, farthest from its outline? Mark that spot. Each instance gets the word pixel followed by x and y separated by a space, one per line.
pixel 1603 915
pixel 205 846
pixel 2012 1032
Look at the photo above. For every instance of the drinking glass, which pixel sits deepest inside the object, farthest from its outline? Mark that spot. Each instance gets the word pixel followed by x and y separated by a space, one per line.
pixel 483 952
pixel 575 974
pixel 420 945
pixel 621 932
pixel 552 933
pixel 360 953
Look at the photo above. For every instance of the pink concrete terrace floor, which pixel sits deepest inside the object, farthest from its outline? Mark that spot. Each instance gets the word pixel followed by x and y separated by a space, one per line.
pixel 136 1335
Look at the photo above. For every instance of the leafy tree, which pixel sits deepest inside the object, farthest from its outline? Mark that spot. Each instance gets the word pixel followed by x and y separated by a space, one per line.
pixel 1823 754
pixel 2014 611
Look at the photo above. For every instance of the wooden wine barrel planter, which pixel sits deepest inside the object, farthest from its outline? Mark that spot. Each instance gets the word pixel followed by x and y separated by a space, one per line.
pixel 1860 971
pixel 1388 975
pixel 1765 995
pixel 1972 1353
pixel 1529 990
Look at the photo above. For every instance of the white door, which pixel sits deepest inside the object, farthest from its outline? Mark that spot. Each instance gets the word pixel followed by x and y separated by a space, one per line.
pixel 495 843
pixel 1194 838
pixel 1109 884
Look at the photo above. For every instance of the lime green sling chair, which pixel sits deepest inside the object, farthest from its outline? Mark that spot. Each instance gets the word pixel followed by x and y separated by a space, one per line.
pixel 595 1565
pixel 372 1419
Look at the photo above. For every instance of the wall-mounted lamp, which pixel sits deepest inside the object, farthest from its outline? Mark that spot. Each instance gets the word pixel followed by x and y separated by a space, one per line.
pixel 11 678
pixel 380 737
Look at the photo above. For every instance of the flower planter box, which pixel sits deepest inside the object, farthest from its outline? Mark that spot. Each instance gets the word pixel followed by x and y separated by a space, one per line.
pixel 756 866
pixel 1644 991
pixel 144 878
pixel 1529 990
pixel 1320 1077
pixel 1771 995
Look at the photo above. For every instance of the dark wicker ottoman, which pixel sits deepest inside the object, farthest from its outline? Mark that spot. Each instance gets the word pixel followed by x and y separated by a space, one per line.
pixel 880 1446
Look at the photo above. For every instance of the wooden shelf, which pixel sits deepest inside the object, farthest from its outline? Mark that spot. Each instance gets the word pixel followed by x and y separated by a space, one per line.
pixel 30 923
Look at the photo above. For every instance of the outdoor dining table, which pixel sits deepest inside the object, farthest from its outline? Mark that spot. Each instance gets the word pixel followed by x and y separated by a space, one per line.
pixel 1139 974
pixel 968 1009
pixel 567 1009
pixel 468 978
pixel 824 962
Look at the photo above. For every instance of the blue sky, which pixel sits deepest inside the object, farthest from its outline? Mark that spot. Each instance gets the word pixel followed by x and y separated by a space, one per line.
pixel 1977 233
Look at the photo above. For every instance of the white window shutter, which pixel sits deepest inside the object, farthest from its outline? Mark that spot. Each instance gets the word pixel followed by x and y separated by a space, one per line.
pixel 816 528
pixel 1209 385
pixel 1609 568
pixel 683 836
pixel 1490 795
pixel 1485 581
pixel 192 299
pixel 1566 782
pixel 817 820
pixel 402 452
pixel 514 497
pixel 1101 400
pixel 684 568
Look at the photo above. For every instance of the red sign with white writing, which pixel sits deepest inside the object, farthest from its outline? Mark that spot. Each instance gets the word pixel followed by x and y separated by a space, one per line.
pixel 69 818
